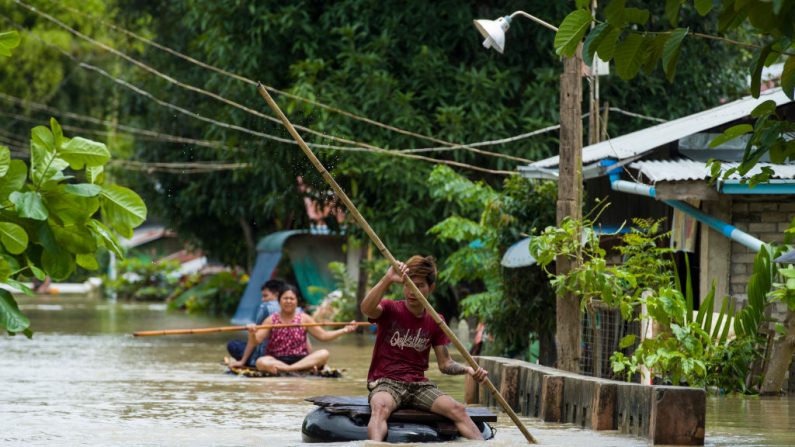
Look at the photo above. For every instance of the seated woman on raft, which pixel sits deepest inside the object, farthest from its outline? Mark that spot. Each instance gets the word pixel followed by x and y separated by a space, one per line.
pixel 287 348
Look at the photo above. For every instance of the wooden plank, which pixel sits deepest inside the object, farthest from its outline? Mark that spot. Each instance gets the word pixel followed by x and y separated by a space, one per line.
pixel 685 190
pixel 358 407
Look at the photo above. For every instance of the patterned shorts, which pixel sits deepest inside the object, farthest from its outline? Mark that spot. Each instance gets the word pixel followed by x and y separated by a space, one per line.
pixel 420 395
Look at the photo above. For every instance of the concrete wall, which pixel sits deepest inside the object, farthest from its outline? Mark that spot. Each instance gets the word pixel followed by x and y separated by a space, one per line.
pixel 662 414
pixel 766 218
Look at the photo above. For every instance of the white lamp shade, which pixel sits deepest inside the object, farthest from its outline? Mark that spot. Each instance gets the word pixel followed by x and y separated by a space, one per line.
pixel 494 32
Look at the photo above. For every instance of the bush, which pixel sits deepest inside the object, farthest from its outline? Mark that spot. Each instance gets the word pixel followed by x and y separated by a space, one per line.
pixel 217 294
pixel 143 281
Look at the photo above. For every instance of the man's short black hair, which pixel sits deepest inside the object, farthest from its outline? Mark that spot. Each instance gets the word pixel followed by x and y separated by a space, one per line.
pixel 274 285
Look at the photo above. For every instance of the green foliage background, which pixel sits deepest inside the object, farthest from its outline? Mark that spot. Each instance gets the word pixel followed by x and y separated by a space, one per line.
pixel 415 65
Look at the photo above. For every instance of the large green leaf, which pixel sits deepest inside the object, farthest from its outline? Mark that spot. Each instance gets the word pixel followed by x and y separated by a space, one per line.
pixel 5 160
pixel 571 31
pixel 122 208
pixel 74 238
pixel 732 17
pixel 7 266
pixel 11 319
pixel 765 108
pixel 45 238
pixel 13 237
pixel 636 15
pixel 607 47
pixel 83 189
pixel 29 205
pixel 756 70
pixel 79 152
pixel 672 11
pixel 654 45
pixel 106 236
pixel 614 13
pixel 8 41
pixel 95 174
pixel 629 55
pixel 57 133
pixel 730 134
pixel 87 261
pixel 592 41
pixel 37 272
pixel 42 138
pixel 703 6
pixel 68 208
pixel 58 263
pixel 45 165
pixel 14 179
pixel 671 52
pixel 788 77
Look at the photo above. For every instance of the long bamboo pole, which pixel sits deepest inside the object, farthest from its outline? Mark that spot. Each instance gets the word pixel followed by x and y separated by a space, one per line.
pixel 208 330
pixel 385 252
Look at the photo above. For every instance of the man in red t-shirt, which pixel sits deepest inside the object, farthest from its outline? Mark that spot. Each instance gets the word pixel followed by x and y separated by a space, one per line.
pixel 403 344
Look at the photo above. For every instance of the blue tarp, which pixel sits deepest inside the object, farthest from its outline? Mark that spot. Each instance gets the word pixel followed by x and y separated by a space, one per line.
pixel 309 256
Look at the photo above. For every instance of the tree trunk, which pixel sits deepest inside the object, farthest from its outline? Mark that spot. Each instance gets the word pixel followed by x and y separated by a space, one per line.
pixel 567 332
pixel 780 359
pixel 251 249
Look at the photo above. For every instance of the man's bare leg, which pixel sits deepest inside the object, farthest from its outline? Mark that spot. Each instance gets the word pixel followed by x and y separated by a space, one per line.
pixel 313 360
pixel 456 412
pixel 382 404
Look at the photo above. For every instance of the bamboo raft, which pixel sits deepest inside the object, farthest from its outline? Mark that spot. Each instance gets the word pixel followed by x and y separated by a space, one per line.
pixel 248 371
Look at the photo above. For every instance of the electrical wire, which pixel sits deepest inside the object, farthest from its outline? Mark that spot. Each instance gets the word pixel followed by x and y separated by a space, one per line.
pixel 146 94
pixel 218 97
pixel 449 145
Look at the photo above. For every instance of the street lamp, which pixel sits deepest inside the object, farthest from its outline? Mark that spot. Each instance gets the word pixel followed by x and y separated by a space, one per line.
pixel 494 30
pixel 567 308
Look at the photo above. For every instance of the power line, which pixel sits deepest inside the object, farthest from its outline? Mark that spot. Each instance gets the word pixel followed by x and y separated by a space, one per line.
pixel 198 167
pixel 216 96
pixel 368 148
pixel 125 130
pixel 449 145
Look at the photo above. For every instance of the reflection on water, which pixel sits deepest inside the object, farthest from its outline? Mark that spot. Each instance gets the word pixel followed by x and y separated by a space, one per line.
pixel 83 380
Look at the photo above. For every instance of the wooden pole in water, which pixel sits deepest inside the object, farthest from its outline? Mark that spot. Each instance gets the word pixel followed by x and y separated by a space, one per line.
pixel 209 330
pixel 384 251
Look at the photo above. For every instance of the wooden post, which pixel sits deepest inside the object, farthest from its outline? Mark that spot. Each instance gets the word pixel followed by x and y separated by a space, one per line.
pixel 357 216
pixel 552 399
pixel 567 331
pixel 509 386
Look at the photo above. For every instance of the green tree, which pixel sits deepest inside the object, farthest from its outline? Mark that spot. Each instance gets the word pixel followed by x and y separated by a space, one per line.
pixel 638 39
pixel 47 223
pixel 496 296
pixel 420 68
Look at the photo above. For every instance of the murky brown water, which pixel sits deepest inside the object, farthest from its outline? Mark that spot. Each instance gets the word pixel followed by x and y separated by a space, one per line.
pixel 83 380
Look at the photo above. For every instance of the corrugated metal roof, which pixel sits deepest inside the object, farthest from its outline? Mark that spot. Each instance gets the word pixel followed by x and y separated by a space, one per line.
pixel 637 143
pixel 683 169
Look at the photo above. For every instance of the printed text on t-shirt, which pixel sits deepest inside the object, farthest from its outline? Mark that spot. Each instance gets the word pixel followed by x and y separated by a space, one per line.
pixel 417 341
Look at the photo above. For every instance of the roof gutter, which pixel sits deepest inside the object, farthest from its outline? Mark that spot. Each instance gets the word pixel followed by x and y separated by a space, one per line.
pixel 724 228
pixel 765 188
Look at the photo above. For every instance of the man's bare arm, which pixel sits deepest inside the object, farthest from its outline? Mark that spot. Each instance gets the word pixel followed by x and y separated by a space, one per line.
pixel 371 303
pixel 446 363
pixel 450 367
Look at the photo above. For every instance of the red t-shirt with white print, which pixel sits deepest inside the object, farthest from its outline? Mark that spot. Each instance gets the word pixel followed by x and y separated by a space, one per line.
pixel 403 343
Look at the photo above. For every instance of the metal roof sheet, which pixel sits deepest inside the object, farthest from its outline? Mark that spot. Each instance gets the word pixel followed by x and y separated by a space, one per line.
pixel 683 169
pixel 639 142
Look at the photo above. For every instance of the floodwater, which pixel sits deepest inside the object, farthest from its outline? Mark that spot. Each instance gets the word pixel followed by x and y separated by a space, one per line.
pixel 83 380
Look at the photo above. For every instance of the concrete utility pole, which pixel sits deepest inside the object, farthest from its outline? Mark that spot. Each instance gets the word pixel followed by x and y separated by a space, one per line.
pixel 567 332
